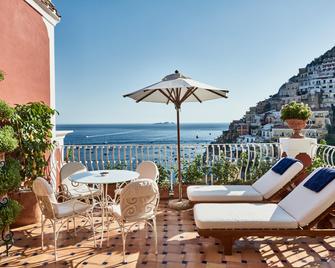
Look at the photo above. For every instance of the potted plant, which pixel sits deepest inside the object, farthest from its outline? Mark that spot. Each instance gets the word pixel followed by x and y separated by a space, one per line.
pixel 10 177
pixel 192 173
pixel 224 171
pixel 7 140
pixel 296 114
pixel 163 182
pixel 33 129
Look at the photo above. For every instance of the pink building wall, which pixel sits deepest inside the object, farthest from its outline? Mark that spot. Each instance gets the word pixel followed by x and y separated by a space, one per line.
pixel 24 54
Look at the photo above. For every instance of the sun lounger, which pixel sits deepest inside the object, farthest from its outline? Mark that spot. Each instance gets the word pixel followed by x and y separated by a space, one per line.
pixel 298 214
pixel 269 187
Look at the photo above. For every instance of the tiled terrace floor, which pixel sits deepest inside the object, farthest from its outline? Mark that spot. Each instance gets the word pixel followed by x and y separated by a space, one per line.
pixel 179 246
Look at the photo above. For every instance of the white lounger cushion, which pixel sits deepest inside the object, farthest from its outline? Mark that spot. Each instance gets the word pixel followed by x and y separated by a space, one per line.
pixel 242 216
pixel 305 205
pixel 271 182
pixel 221 193
pixel 263 188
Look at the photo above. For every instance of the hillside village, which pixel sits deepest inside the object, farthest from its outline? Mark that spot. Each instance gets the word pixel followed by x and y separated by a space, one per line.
pixel 314 85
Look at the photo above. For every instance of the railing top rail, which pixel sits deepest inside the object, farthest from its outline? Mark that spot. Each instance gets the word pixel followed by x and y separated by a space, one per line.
pixel 173 144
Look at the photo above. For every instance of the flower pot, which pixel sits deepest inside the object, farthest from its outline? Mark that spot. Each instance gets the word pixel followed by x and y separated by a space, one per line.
pixel 2 157
pixel 296 125
pixel 30 213
pixel 164 193
pixel 176 191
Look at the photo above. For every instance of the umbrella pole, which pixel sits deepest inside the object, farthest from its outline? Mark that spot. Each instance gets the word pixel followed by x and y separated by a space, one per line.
pixel 178 157
pixel 179 204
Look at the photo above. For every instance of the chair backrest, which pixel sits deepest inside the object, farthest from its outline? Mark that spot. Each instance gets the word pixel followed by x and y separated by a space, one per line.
pixel 272 182
pixel 45 197
pixel 139 200
pixel 69 169
pixel 306 205
pixel 148 170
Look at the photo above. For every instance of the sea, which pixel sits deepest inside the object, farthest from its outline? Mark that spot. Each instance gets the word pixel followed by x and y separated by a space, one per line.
pixel 158 133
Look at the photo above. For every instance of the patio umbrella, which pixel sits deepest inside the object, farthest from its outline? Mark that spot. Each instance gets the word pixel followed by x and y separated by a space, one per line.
pixel 177 89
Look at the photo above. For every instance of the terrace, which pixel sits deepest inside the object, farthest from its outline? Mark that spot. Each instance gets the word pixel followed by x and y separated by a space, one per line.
pixel 179 242
pixel 27 136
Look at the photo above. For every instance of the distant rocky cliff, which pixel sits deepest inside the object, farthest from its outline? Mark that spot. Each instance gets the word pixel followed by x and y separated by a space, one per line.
pixel 313 84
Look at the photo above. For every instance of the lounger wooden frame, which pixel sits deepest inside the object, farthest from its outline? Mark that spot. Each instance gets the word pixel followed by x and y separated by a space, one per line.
pixel 275 198
pixel 228 236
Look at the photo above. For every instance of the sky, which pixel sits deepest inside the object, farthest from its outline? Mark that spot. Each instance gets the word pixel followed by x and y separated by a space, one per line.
pixel 107 48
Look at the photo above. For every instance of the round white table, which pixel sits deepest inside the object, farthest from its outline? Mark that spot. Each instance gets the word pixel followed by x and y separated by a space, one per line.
pixel 104 178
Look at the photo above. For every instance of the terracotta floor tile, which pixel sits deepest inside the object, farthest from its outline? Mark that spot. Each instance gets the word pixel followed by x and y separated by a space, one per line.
pixel 179 246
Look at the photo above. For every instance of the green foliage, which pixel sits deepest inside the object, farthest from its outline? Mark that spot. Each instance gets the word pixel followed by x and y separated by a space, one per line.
pixel 32 124
pixel 194 172
pixel 8 142
pixel 224 171
pixel 6 112
pixel 258 170
pixel 164 177
pixel 317 162
pixel 9 212
pixel 295 110
pixel 118 166
pixel 10 177
pixel 2 75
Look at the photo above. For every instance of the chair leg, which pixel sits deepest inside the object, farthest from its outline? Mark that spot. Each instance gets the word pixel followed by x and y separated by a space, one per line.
pixel 55 239
pixel 42 232
pixel 146 230
pixel 124 237
pixel 74 226
pixel 155 234
pixel 90 216
pixel 108 226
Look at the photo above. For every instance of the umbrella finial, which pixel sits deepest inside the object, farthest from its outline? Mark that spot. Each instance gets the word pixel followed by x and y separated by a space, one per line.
pixel 173 76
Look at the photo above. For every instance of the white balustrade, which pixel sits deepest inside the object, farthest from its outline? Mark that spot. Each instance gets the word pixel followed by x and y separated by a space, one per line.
pixel 128 156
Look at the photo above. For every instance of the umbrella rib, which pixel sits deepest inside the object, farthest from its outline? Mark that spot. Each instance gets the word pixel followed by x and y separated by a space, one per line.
pixel 189 92
pixel 161 91
pixel 174 93
pixel 170 94
pixel 217 93
pixel 150 92
pixel 170 98
pixel 196 96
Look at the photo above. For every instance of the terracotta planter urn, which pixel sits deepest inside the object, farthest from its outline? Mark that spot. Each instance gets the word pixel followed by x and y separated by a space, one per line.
pixel 164 193
pixel 2 157
pixel 296 125
pixel 30 212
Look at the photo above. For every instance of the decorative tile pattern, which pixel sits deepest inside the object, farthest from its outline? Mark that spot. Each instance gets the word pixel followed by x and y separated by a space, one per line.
pixel 179 245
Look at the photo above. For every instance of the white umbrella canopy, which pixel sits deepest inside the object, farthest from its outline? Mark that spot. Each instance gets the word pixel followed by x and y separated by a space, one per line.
pixel 177 89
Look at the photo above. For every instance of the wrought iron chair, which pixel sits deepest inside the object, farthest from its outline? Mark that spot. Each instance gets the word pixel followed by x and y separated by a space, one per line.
pixel 57 212
pixel 138 203
pixel 147 170
pixel 73 190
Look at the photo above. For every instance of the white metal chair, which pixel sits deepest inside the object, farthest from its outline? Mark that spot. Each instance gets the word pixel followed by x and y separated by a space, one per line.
pixel 72 190
pixel 138 203
pixel 147 170
pixel 57 212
